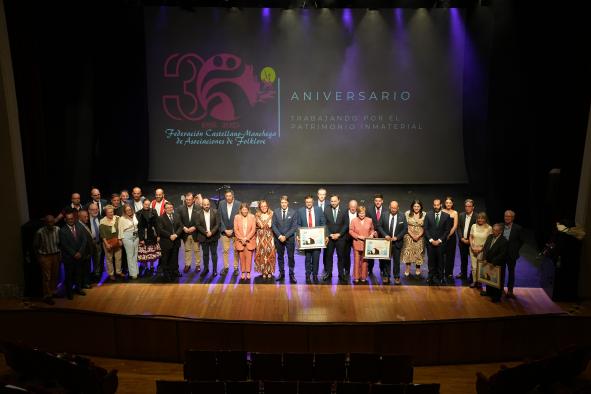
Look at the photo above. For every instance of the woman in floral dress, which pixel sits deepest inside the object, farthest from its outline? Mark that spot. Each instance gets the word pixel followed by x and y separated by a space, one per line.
pixel 264 260
pixel 413 245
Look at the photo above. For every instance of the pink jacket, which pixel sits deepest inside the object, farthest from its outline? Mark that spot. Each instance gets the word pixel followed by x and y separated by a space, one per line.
pixel 359 228
pixel 239 234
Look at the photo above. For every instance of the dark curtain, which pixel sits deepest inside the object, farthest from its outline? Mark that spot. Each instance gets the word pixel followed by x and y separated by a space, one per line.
pixel 80 81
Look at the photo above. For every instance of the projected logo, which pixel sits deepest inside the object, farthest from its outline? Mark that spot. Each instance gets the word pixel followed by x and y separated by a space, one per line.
pixel 222 87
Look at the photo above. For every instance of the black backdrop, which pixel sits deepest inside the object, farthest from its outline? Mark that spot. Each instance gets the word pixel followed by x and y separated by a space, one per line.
pixel 78 133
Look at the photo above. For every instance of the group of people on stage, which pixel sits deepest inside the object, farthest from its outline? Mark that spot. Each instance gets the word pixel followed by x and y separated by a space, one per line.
pixel 136 232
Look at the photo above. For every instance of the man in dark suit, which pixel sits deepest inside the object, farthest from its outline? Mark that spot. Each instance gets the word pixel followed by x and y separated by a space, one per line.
pixel 311 215
pixel 437 226
pixel 170 230
pixel 208 233
pixel 466 220
pixel 284 226
pixel 73 247
pixel 188 218
pixel 228 209
pixel 392 226
pixel 514 234
pixel 375 213
pixel 90 250
pixel 95 197
pixel 495 252
pixel 337 224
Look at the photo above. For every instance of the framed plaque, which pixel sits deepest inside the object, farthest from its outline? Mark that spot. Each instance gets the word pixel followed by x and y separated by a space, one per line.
pixel 311 238
pixel 377 248
pixel 489 274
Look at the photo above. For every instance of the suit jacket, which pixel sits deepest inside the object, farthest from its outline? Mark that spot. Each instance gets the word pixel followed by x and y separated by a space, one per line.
pixel 239 233
pixel 462 221
pixel 515 241
pixel 401 227
pixel 183 213
pixel 214 226
pixel 91 247
pixel 70 245
pixel 285 227
pixel 497 254
pixel 302 217
pixel 165 229
pixel 371 212
pixel 104 203
pixel 441 231
pixel 225 222
pixel 360 228
pixel 341 225
pixel 326 205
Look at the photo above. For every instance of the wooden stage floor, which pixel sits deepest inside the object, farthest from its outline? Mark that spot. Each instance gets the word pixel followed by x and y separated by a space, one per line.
pixel 299 303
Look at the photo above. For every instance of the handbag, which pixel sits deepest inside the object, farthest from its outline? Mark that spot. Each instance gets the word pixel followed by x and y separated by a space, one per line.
pixel 113 243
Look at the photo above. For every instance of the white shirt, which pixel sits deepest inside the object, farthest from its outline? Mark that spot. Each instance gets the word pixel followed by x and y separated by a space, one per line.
pixel 138 205
pixel 158 206
pixel 230 209
pixel 351 216
pixel 321 205
pixel 190 210
pixel 394 223
pixel 207 219
pixel 466 225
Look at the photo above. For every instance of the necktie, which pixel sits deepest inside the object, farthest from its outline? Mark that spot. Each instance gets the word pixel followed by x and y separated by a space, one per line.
pixel 492 243
pixel 309 218
pixel 283 215
pixel 96 230
pixel 391 224
pixel 73 228
pixel 334 214
pixel 437 219
pixel 171 222
pixel 378 213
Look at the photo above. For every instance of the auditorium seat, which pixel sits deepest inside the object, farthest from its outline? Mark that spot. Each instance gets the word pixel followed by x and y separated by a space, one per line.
pixel 204 387
pixel 314 387
pixel 364 367
pixel 329 366
pixel 266 366
pixel 298 366
pixel 280 387
pixel 200 365
pixel 232 365
pixel 172 387
pixel 396 368
pixel 388 388
pixel 431 388
pixel 244 387
pixel 352 388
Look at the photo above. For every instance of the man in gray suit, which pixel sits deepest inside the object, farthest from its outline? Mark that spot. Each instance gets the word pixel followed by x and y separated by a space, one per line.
pixel 227 211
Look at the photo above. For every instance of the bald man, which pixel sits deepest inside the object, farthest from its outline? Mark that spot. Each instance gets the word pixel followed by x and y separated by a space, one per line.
pixel 159 202
pixel 392 226
pixel 101 203
pixel 74 206
pixel 137 200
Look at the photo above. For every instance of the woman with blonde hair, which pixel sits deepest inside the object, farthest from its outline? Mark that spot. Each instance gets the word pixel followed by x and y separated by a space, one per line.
pixel 361 227
pixel 109 232
pixel 244 239
pixel 478 235
pixel 264 259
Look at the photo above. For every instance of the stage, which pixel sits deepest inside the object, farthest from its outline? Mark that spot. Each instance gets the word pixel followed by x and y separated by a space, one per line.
pixel 436 325
pixel 280 303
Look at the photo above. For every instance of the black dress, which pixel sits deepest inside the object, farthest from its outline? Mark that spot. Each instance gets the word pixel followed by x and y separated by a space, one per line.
pixel 147 232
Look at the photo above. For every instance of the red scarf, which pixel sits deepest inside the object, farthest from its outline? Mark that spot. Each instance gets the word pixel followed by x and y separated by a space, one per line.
pixel 153 205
